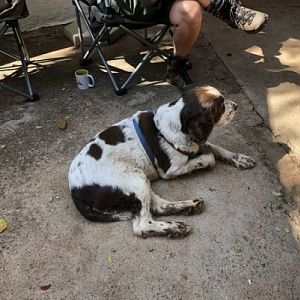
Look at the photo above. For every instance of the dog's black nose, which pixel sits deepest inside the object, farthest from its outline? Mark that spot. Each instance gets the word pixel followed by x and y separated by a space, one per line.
pixel 235 107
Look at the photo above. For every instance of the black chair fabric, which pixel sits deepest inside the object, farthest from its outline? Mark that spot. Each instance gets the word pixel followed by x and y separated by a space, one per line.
pixel 13 9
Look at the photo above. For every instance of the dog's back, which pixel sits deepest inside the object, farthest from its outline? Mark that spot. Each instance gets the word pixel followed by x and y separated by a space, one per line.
pixel 99 174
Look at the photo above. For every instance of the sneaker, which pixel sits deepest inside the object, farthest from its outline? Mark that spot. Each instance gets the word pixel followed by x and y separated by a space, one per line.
pixel 238 16
pixel 177 73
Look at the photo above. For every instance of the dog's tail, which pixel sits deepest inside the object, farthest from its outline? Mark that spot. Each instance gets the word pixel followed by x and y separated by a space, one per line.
pixel 97 204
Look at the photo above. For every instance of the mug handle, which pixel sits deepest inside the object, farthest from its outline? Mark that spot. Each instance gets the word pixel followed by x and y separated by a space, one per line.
pixel 91 80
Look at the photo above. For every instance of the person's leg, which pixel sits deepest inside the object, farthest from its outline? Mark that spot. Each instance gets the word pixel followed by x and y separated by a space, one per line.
pixel 186 17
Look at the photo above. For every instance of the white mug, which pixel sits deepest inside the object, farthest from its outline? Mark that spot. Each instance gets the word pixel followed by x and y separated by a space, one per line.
pixel 84 79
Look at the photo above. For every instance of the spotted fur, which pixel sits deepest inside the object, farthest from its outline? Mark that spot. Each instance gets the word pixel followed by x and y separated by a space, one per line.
pixel 110 177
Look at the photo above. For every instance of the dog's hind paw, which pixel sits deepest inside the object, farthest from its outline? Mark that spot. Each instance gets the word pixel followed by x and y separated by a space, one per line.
pixel 177 230
pixel 194 208
pixel 243 162
pixel 156 228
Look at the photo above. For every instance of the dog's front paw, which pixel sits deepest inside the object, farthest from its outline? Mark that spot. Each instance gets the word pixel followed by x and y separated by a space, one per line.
pixel 243 162
pixel 178 230
pixel 208 160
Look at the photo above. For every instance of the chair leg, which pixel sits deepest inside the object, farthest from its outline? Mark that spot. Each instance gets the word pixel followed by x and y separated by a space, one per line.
pixel 96 46
pixel 79 27
pixel 151 44
pixel 3 29
pixel 24 58
pixel 79 13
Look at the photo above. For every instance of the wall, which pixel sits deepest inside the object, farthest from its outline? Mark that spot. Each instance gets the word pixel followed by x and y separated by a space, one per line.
pixel 48 13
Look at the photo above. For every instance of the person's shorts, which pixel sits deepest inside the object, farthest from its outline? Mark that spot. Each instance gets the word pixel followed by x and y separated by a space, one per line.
pixel 141 10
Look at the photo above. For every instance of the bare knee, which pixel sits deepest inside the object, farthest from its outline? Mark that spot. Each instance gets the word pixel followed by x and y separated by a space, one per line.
pixel 186 11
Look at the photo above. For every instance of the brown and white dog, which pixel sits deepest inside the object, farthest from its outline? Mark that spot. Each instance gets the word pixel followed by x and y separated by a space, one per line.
pixel 110 178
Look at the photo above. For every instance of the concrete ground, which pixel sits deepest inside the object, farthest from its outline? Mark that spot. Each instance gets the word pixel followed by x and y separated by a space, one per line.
pixel 243 246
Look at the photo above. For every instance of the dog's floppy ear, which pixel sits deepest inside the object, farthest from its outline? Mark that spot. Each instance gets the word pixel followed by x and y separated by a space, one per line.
pixel 217 108
pixel 196 120
pixel 199 126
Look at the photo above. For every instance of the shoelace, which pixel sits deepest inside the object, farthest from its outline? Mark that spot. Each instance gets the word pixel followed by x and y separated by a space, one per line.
pixel 240 14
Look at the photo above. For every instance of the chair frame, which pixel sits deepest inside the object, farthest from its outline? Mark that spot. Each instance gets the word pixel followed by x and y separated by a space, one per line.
pixel 23 57
pixel 129 26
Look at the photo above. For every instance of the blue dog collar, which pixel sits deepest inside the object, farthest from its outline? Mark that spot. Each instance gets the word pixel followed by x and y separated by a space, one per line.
pixel 144 142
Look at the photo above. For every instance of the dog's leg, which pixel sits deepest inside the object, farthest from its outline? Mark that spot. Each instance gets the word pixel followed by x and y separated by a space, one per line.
pixel 160 206
pixel 240 161
pixel 200 162
pixel 145 226
pixel 143 223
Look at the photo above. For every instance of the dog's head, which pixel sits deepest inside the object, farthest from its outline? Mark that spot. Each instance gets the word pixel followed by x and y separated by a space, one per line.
pixel 187 122
pixel 203 109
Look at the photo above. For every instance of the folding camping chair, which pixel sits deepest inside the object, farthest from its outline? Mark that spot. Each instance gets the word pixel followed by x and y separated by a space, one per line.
pixel 10 13
pixel 105 19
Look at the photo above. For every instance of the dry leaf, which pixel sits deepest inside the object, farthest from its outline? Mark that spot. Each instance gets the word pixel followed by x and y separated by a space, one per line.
pixel 276 194
pixel 62 124
pixel 45 287
pixel 3 225
pixel 109 259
